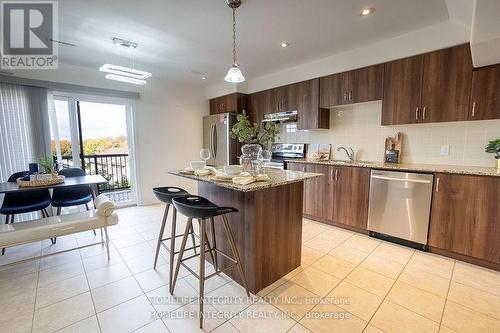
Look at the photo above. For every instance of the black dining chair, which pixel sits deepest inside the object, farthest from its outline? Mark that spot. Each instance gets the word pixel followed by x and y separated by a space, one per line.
pixel 24 202
pixel 73 195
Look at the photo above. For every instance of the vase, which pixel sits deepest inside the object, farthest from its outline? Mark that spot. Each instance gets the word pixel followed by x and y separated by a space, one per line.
pixel 249 154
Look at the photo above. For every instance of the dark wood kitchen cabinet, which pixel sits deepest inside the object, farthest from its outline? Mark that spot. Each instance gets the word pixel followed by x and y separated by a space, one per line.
pixel 485 96
pixel 236 102
pixel 465 216
pixel 352 190
pixel 402 91
pixel 446 84
pixel 356 86
pixel 306 102
pixel 257 105
pixel 338 197
pixel 302 97
pixel 433 87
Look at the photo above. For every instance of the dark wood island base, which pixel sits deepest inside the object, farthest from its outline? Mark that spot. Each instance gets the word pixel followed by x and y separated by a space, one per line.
pixel 267 230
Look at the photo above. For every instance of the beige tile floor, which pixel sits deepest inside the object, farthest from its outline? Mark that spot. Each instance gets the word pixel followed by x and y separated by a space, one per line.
pixel 347 283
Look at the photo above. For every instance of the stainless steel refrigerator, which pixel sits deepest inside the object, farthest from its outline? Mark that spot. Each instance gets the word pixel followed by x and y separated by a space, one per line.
pixel 217 138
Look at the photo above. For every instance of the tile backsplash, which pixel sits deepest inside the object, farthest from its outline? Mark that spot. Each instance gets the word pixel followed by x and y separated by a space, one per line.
pixel 358 126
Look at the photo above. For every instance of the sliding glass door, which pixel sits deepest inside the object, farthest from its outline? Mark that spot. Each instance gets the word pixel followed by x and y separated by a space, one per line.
pixel 96 134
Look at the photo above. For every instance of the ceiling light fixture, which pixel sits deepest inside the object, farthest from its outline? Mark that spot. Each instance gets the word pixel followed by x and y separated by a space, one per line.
pixel 125 74
pixel 367 11
pixel 125 79
pixel 124 42
pixel 203 77
pixel 285 44
pixel 125 71
pixel 234 74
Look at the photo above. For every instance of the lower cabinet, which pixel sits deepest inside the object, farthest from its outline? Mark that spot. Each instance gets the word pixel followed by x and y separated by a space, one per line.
pixel 339 196
pixel 465 216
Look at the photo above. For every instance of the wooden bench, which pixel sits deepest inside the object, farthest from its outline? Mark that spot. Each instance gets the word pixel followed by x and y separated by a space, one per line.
pixel 101 217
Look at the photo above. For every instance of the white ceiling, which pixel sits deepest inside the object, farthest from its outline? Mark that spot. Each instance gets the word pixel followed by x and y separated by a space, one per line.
pixel 180 39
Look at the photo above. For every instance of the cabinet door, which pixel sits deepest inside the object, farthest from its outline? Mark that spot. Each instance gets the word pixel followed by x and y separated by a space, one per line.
pixel 485 99
pixel 366 84
pixel 446 85
pixel 214 106
pixel 257 106
pixel 465 215
pixel 319 192
pixel 351 201
pixel 279 99
pixel 334 90
pixel 402 91
pixel 310 115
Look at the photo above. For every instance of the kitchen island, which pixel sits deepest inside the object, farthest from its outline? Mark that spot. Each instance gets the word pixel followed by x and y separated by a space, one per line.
pixel 268 227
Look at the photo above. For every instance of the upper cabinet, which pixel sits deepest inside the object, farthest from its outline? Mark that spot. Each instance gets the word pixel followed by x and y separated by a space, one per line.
pixel 235 102
pixel 302 97
pixel 433 87
pixel 485 97
pixel 357 86
pixel 446 84
pixel 402 91
pixel 306 102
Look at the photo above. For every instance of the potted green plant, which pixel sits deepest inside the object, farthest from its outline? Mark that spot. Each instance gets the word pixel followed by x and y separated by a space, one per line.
pixel 47 164
pixel 255 138
pixel 493 147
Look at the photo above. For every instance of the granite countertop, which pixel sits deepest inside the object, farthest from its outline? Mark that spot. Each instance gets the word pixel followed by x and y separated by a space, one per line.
pixel 456 169
pixel 278 178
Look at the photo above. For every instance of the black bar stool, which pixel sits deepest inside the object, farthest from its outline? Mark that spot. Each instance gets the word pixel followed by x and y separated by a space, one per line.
pixel 166 194
pixel 195 207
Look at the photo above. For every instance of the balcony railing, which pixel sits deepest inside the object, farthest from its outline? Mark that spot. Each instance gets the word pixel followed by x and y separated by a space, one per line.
pixel 113 167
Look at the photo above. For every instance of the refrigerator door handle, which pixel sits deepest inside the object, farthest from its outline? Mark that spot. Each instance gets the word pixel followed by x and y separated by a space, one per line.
pixel 215 141
pixel 212 140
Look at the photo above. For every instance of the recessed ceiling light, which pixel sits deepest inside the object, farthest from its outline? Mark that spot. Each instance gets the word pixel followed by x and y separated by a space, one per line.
pixel 367 11
pixel 285 44
pixel 203 77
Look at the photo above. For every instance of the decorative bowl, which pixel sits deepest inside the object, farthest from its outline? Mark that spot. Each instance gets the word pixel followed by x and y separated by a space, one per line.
pixel 232 170
pixel 197 165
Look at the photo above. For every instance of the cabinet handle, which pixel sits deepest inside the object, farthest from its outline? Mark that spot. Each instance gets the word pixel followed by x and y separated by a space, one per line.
pixel 474 109
pixel 437 184
pixel 303 169
pixel 331 173
pixel 423 112
pixel 336 174
pixel 345 96
pixel 416 113
pixel 350 95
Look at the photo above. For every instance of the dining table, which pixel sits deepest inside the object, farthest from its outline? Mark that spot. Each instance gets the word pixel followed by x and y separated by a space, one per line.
pixel 92 180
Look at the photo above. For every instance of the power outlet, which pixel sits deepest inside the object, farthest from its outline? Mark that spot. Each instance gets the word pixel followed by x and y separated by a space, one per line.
pixel 445 150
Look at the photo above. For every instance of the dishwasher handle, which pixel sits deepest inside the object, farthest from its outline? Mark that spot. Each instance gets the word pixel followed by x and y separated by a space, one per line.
pixel 402 179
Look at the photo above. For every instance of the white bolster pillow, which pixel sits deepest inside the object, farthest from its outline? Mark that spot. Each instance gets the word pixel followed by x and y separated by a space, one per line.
pixel 104 205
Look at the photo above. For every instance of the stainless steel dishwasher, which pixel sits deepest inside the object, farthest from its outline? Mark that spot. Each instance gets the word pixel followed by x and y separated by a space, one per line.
pixel 400 206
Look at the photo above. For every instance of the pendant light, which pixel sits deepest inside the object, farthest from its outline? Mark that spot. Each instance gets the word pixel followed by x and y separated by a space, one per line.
pixel 234 74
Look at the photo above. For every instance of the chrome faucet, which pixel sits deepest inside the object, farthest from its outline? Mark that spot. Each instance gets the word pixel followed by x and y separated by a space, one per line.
pixel 349 154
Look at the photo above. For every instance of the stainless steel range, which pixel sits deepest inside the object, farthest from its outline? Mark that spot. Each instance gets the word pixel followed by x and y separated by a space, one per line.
pixel 286 151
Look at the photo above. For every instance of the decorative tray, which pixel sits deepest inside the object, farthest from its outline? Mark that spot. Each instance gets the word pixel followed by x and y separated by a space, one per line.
pixel 40 182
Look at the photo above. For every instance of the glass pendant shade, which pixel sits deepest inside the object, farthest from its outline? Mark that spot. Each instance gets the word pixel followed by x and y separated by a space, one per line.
pixel 234 75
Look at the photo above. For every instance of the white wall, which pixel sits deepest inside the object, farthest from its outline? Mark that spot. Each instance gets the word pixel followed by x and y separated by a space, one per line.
pixel 358 126
pixel 168 123
pixel 428 39
pixel 169 131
